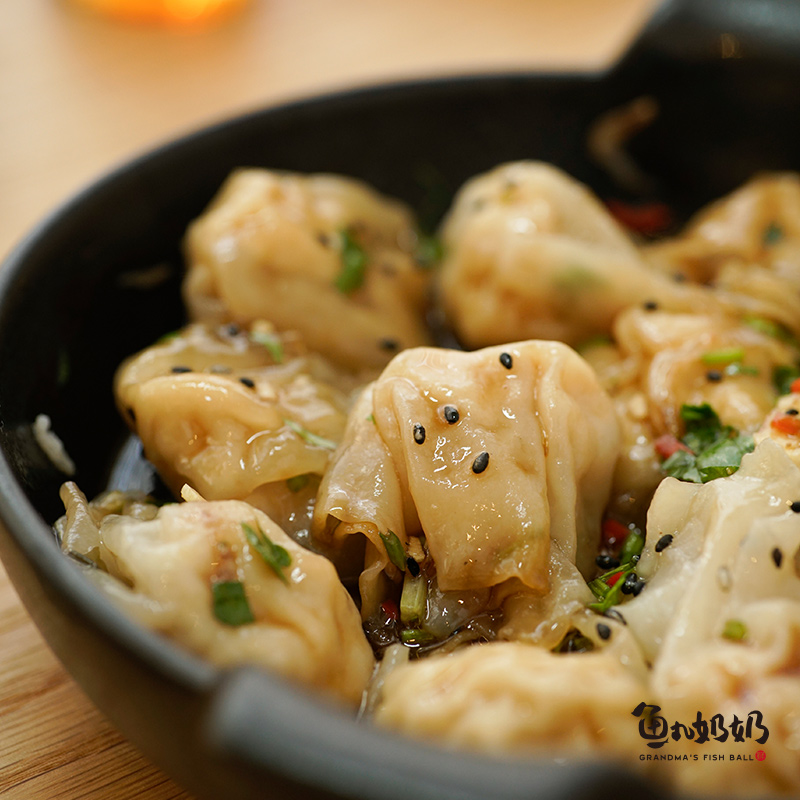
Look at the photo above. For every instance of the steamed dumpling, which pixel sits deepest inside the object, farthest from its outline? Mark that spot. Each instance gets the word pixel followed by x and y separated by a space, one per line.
pixel 218 409
pixel 167 564
pixel 531 253
pixel 320 254
pixel 487 455
pixel 516 699
pixel 748 244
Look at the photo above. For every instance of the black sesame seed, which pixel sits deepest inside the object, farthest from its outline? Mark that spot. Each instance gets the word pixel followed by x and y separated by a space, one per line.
pixel 233 329
pixel 247 382
pixel 606 562
pixel 630 583
pixel 392 345
pixel 506 360
pixel 650 305
pixel 792 412
pixel 413 566
pixel 451 414
pixel 419 433
pixel 614 614
pixel 480 463
pixel 637 589
pixel 714 375
pixel 180 370
pixel 603 631
pixel 664 542
pixel 777 556
pixel 795 506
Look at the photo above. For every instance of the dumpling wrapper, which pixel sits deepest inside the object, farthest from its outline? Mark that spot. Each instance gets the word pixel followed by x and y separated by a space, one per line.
pixel 307 627
pixel 229 439
pixel 531 253
pixel 270 246
pixel 551 438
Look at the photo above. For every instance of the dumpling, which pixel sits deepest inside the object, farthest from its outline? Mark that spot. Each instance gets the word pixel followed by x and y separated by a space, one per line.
pixel 510 699
pixel 782 425
pixel 662 360
pixel 237 414
pixel 720 613
pixel 747 244
pixel 320 254
pixel 191 571
pixel 477 459
pixel 531 253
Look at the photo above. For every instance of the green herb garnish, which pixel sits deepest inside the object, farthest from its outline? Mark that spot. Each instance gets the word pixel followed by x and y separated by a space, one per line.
pixel 354 264
pixel 632 546
pixel 737 368
pixel 429 251
pixel 413 599
pixel 297 483
pixel 307 436
pixel 716 449
pixel 230 603
pixel 371 418
pixel 773 233
pixel 574 642
pixel 416 636
pixel 771 328
pixel 784 376
pixel 168 337
pixel 272 342
pixel 394 549
pixel 275 556
pixel 724 356
pixel 735 630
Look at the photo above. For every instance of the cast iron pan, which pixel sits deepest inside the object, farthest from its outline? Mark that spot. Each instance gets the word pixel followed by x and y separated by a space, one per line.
pixel 724 74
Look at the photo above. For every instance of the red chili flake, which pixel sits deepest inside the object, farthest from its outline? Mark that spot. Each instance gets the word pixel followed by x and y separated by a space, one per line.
pixel 641 217
pixel 668 444
pixel 794 387
pixel 612 579
pixel 788 425
pixel 614 532
pixel 390 610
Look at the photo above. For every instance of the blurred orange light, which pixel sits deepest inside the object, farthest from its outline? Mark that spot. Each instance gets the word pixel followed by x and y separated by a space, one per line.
pixel 170 12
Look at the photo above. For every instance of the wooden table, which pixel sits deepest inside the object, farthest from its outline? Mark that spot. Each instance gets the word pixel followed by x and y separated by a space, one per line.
pixel 79 93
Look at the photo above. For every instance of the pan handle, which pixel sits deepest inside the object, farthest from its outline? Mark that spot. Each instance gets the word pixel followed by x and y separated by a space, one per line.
pixel 694 31
pixel 297 747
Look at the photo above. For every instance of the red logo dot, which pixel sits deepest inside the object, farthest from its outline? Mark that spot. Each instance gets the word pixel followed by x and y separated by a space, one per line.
pixel 760 755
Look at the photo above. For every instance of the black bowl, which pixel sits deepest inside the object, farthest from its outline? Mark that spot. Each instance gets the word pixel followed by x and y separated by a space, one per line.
pixel 69 313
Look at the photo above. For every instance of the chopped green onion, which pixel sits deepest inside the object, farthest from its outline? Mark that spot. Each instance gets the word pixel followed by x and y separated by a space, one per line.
pixel 770 328
pixel 272 342
pixel 773 233
pixel 414 598
pixel 737 368
pixel 632 546
pixel 230 603
pixel 394 549
pixel 354 264
pixel 735 630
pixel 724 355
pixel 297 483
pixel 275 556
pixel 307 436
pixel 371 418
pixel 416 636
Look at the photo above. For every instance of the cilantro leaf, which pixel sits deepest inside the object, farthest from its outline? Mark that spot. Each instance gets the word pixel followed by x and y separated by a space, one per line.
pixel 716 449
pixel 275 556
pixel 230 603
pixel 354 264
